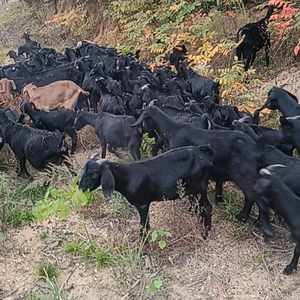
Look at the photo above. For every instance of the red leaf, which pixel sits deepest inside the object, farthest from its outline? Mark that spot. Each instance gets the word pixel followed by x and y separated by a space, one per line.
pixel 296 49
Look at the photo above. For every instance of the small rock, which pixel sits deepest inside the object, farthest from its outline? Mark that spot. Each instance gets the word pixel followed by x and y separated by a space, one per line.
pixel 65 264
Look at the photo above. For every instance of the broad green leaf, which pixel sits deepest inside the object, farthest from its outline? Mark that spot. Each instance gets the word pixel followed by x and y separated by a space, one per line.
pixel 75 200
pixel 152 287
pixel 158 283
pixel 64 212
pixel 160 232
pixel 162 244
pixel 168 234
pixel 154 236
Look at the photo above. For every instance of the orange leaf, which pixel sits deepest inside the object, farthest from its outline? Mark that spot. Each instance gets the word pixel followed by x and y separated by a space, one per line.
pixel 231 14
pixel 265 111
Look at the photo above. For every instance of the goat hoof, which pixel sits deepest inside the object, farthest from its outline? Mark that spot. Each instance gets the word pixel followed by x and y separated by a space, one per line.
pixel 205 232
pixel 288 270
pixel 292 239
pixel 219 199
pixel 240 217
pixel 268 236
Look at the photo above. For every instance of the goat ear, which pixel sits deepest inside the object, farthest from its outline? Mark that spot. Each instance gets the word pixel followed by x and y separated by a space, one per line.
pixel 206 148
pixel 285 122
pixel 141 118
pixel 262 184
pixel 225 113
pixel 107 182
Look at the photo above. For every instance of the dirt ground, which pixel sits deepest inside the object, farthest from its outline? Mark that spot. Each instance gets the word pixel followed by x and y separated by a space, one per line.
pixel 225 266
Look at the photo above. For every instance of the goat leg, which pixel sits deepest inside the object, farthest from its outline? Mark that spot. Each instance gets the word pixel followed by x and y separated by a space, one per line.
pixel 244 214
pixel 113 151
pixel 267 50
pixel 23 169
pixel 144 222
pixel 293 265
pixel 263 206
pixel 73 137
pixel 219 191
pixel 206 213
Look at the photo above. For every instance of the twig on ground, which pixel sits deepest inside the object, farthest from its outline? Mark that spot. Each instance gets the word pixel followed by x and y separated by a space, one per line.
pixel 266 267
pixel 67 279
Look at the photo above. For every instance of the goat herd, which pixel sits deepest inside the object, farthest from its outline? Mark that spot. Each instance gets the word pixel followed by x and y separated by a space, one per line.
pixel 201 140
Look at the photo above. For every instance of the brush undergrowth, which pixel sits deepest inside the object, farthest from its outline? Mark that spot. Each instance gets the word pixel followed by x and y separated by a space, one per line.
pixel 16 203
pixel 227 211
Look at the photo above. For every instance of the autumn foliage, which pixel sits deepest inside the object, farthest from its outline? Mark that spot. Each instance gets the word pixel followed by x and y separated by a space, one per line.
pixel 284 21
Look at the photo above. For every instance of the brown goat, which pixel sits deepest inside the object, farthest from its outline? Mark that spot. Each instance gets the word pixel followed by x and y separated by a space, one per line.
pixel 5 94
pixel 56 95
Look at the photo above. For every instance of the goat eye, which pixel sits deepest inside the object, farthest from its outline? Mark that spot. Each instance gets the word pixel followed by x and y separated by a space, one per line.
pixel 94 175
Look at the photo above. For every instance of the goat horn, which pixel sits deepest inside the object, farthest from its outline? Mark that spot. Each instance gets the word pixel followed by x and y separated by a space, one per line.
pixel 264 172
pixel 79 44
pixel 152 102
pixel 100 161
pixel 283 85
pixel 271 167
pixel 94 155
pixel 208 125
pixel 244 119
pixel 293 118
pixel 145 86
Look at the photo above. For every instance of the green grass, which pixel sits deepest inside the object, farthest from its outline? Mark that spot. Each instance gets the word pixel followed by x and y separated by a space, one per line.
pixel 32 192
pixel 18 201
pixel 53 292
pixel 19 215
pixel 102 259
pixel 43 236
pixel 72 247
pixel 89 251
pixel 47 270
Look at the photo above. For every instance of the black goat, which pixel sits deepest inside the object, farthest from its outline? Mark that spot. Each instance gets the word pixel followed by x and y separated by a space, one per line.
pixel 199 86
pixel 110 91
pixel 285 203
pixel 114 130
pixel 270 155
pixel 284 101
pixel 281 139
pixel 39 147
pixel 236 154
pixel 153 179
pixel 179 53
pixel 61 120
pixel 29 46
pixel 256 36
pixel 290 127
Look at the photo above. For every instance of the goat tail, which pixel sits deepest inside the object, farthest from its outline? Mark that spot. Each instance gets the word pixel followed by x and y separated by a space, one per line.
pixel 269 12
pixel 84 92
